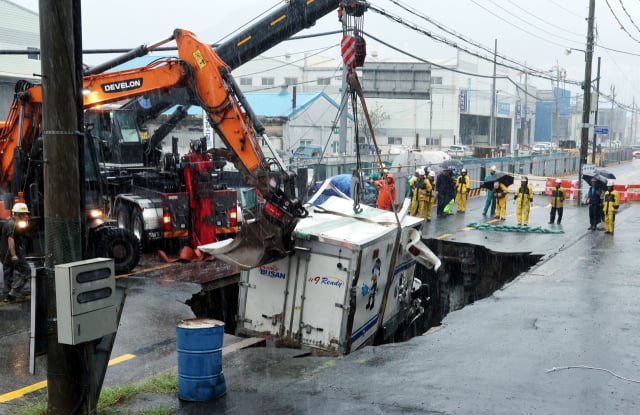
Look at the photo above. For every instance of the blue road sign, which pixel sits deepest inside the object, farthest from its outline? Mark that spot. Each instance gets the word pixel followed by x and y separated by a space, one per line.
pixel 598 129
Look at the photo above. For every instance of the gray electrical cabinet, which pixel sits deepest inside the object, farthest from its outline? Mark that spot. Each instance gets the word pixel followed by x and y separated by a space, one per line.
pixel 85 300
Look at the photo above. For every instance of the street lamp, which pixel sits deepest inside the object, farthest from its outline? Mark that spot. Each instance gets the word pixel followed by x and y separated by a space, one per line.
pixel 568 51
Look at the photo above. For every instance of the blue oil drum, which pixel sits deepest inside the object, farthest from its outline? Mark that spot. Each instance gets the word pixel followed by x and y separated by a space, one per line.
pixel 199 346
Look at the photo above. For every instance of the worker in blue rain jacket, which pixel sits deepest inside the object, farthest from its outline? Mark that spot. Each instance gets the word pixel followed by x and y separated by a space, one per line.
pixel 593 198
pixel 490 203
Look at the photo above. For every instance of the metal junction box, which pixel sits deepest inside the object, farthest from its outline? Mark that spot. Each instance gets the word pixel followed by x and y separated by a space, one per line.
pixel 85 300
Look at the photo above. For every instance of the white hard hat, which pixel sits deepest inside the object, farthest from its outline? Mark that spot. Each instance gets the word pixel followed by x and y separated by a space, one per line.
pixel 432 173
pixel 610 182
pixel 496 185
pixel 463 170
pixel 420 172
pixel 493 168
pixel 20 208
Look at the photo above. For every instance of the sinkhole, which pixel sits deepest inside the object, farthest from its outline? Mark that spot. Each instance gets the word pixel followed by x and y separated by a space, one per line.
pixel 468 273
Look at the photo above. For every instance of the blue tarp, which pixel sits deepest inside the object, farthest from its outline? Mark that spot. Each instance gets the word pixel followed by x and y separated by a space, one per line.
pixel 342 183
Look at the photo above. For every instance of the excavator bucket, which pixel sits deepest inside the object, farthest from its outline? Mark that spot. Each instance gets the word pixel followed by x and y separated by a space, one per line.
pixel 258 242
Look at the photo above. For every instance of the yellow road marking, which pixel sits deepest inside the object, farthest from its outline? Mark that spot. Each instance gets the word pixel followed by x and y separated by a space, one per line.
pixel 444 235
pixel 22 391
pixel 121 359
pixel 19 393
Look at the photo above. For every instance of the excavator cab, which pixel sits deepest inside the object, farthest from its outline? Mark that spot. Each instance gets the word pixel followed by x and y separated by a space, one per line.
pixel 120 141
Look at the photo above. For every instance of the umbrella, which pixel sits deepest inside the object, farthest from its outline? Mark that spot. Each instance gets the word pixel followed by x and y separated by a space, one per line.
pixel 504 178
pixel 601 180
pixel 605 173
pixel 454 165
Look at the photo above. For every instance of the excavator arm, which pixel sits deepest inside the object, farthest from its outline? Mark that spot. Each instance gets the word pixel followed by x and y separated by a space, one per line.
pixel 207 79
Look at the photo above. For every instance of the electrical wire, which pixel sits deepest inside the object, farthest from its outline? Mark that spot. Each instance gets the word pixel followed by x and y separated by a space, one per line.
pixel 520 67
pixel 629 16
pixel 290 63
pixel 525 21
pixel 624 29
pixel 543 20
pixel 514 25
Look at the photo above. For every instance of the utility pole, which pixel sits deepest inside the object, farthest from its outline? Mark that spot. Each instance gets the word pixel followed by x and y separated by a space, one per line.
pixel 525 136
pixel 69 384
pixel 595 121
pixel 586 107
pixel 613 101
pixel 492 120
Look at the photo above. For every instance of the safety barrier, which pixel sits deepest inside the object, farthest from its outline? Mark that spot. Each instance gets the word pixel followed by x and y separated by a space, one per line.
pixel 570 186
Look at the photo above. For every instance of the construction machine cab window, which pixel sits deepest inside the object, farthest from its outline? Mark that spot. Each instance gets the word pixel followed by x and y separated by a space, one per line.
pixel 118 135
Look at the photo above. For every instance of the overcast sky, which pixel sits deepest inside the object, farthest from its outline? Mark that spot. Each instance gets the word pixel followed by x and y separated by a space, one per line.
pixel 536 32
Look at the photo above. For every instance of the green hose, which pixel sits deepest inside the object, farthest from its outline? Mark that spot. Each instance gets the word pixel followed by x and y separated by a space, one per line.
pixel 512 228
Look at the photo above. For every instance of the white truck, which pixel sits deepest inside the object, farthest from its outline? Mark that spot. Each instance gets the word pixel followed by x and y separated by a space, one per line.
pixel 349 283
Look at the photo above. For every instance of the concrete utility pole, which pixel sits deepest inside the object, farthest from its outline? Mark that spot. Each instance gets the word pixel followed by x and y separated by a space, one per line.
pixel 68 382
pixel 613 101
pixel 595 120
pixel 492 120
pixel 586 107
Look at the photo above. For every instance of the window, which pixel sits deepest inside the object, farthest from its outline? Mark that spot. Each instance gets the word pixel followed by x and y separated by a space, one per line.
pixel 290 81
pixel 394 140
pixel 268 81
pixel 324 81
pixel 436 80
pixel 246 81
pixel 34 56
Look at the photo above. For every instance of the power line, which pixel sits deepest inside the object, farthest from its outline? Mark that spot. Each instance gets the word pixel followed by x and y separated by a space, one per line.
pixel 516 26
pixel 524 21
pixel 565 9
pixel 518 67
pixel 543 20
pixel 624 29
pixel 629 16
pixel 451 31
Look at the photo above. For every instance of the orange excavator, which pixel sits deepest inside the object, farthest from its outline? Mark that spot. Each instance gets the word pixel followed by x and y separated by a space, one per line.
pixel 203 75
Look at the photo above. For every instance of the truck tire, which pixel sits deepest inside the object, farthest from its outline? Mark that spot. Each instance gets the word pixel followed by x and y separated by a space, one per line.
pixel 123 216
pixel 119 244
pixel 137 226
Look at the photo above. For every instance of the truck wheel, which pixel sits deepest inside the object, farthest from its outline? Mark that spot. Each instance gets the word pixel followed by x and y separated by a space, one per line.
pixel 137 226
pixel 121 245
pixel 123 217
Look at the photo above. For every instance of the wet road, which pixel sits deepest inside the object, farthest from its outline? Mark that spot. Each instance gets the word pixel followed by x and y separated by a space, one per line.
pixel 578 307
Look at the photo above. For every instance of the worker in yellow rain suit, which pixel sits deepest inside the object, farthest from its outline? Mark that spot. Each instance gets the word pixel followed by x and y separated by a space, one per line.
pixel 416 181
pixel 426 197
pixel 610 206
pixel 500 193
pixel 558 194
pixel 523 198
pixel 462 190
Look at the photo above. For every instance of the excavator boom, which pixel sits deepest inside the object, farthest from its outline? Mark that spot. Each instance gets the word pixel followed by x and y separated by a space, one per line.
pixel 206 76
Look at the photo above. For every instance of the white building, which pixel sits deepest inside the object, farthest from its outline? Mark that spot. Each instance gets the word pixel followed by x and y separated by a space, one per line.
pixel 20 31
pixel 459 111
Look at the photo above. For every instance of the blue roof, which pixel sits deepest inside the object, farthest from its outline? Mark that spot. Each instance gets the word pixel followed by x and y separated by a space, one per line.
pixel 281 104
